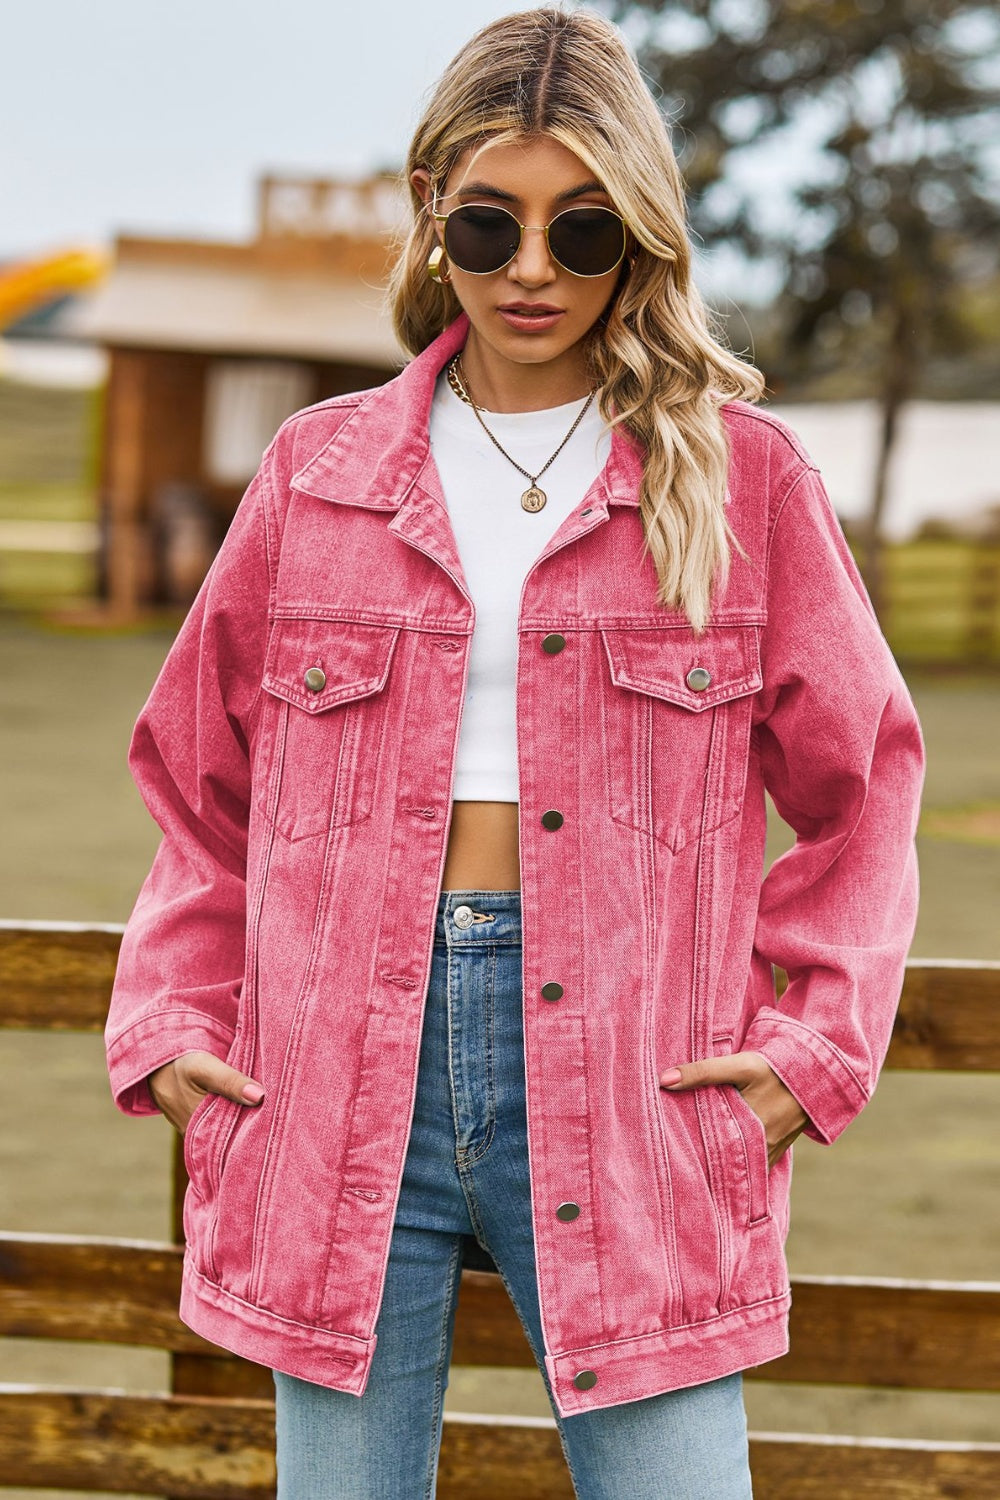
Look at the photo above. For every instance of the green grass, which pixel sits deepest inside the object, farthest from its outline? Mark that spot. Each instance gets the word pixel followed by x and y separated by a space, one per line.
pixel 64 500
pixel 37 582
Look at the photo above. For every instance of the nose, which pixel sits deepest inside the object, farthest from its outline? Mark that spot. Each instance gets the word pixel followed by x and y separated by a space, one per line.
pixel 533 264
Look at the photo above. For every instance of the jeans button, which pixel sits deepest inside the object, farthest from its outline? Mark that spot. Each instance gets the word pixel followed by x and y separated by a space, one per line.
pixel 463 916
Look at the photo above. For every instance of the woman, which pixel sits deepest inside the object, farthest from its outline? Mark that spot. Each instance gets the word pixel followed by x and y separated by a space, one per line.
pixel 520 637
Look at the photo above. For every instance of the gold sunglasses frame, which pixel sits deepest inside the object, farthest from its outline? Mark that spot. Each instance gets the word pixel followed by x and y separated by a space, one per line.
pixel 542 229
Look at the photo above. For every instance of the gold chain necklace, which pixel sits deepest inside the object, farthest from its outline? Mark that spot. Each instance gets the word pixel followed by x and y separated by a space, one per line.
pixel 534 497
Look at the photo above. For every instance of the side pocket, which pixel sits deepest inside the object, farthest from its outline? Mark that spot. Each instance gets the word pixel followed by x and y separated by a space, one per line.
pixel 195 1141
pixel 202 1131
pixel 754 1141
pixel 744 1129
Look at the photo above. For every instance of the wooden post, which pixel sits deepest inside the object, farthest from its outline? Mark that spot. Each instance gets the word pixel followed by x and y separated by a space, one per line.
pixel 128 563
pixel 983 639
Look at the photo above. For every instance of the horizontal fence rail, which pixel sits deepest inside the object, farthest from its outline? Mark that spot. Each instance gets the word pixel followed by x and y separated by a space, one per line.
pixel 197 1448
pixel 212 1438
pixel 57 977
pixel 845 1330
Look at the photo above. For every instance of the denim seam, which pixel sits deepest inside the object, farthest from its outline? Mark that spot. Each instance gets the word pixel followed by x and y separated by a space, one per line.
pixel 470 1158
pixel 653 1099
pixel 444 1352
pixel 463 1157
pixel 279 1124
pixel 451 1056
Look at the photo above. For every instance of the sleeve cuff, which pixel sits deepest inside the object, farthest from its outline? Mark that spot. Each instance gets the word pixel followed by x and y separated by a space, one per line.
pixel 812 1069
pixel 153 1040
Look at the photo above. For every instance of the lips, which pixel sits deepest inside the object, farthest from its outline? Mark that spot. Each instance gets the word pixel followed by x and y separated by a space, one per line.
pixel 531 317
pixel 530 309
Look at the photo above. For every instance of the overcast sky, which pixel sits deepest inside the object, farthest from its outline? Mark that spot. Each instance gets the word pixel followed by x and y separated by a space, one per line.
pixel 153 116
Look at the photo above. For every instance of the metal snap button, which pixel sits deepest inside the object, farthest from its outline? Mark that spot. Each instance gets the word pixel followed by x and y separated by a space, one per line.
pixel 553 644
pixel 552 991
pixel 315 679
pixel 568 1212
pixel 463 916
pixel 698 679
pixel 585 1380
pixel 552 819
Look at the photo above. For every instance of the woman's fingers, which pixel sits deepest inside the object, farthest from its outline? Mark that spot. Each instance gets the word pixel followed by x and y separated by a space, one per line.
pixel 213 1076
pixel 741 1068
pixel 179 1086
pixel 775 1106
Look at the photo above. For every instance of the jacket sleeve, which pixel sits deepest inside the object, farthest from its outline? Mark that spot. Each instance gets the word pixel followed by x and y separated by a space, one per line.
pixel 842 757
pixel 180 970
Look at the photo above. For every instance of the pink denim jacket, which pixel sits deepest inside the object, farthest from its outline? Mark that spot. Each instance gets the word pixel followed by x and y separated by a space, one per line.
pixel 297 751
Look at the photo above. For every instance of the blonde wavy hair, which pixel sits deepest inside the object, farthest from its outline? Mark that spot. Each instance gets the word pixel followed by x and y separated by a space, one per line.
pixel 663 374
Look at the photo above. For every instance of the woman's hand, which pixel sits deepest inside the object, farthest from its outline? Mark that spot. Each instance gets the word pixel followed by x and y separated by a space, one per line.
pixel 779 1111
pixel 179 1086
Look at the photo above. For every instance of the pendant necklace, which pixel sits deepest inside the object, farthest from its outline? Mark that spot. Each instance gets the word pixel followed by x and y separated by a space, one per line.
pixel 534 496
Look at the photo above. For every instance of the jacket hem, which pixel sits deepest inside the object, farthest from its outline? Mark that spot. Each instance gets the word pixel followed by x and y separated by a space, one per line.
pixel 670 1358
pixel 335 1360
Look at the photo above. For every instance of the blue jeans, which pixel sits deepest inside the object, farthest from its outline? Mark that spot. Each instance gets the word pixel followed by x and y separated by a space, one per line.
pixel 466 1173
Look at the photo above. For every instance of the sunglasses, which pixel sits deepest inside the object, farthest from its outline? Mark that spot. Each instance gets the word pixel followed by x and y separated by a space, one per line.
pixel 480 238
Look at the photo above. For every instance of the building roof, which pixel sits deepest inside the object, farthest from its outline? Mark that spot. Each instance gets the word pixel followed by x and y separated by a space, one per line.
pixel 251 307
pixel 309 285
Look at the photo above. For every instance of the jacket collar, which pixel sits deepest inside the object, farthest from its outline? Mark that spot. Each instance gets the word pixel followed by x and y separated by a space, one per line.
pixel 380 449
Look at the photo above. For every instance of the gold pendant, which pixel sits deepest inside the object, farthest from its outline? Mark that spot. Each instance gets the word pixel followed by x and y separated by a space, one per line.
pixel 533 498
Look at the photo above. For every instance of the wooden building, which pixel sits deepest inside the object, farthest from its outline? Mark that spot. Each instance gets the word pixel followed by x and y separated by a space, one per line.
pixel 211 346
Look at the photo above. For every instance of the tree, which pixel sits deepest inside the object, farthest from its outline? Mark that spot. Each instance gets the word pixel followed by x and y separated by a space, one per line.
pixel 891 109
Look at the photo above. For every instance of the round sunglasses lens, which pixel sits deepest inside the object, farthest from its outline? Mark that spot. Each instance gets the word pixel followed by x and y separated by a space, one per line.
pixel 479 238
pixel 587 241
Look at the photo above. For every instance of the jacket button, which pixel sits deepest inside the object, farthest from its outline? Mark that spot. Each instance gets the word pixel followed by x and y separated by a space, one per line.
pixel 315 679
pixel 698 679
pixel 568 1212
pixel 552 991
pixel 585 1380
pixel 552 819
pixel 553 644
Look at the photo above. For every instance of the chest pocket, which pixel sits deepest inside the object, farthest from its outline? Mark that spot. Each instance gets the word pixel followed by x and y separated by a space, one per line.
pixel 322 730
pixel 676 726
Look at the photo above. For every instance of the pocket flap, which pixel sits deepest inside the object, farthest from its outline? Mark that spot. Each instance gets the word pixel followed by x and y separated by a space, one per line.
pixel 692 671
pixel 344 661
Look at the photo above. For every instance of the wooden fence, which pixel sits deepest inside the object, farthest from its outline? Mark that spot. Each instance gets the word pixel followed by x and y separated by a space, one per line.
pixel 941 602
pixel 210 1437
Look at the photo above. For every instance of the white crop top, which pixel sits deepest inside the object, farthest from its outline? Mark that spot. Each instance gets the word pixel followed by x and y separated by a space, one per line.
pixel 497 543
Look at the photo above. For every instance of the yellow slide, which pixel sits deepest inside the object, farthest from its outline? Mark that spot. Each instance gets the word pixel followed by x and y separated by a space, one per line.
pixel 29 284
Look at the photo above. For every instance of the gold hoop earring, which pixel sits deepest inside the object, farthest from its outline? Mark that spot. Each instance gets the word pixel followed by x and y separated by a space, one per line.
pixel 437 266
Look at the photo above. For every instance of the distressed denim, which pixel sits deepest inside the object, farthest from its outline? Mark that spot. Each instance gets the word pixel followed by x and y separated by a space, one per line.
pixel 298 751
pixel 466 1174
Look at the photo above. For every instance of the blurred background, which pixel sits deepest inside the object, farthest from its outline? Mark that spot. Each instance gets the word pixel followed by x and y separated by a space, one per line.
pixel 197 204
